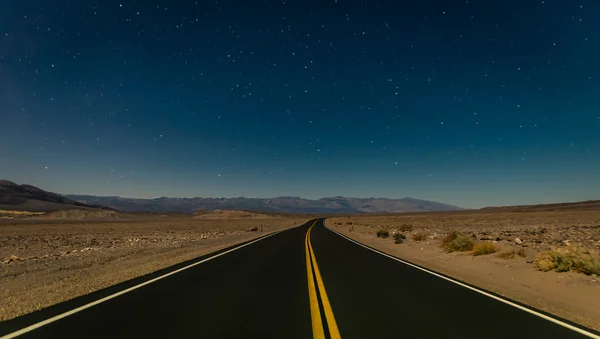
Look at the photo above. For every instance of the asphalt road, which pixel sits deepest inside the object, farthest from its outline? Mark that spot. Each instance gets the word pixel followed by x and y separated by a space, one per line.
pixel 289 286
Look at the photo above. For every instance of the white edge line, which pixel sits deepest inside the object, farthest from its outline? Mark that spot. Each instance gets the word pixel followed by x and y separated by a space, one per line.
pixel 99 301
pixel 543 316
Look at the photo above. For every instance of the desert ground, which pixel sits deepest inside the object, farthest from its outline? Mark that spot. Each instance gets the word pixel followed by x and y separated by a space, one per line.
pixel 49 258
pixel 548 260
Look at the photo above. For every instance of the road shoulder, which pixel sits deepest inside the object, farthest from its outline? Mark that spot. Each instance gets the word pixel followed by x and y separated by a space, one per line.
pixel 567 295
pixel 61 261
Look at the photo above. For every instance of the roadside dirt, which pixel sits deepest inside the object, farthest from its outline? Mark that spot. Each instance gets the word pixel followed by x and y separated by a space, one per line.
pixel 573 296
pixel 44 262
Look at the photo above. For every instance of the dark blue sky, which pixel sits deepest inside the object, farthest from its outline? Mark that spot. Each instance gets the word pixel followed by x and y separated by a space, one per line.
pixel 471 103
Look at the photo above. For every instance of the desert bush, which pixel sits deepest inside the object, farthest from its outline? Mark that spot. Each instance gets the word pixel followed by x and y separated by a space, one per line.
pixel 419 236
pixel 406 227
pixel 512 254
pixel 455 241
pixel 567 259
pixel 399 236
pixel 484 247
pixel 383 234
pixel 254 229
pixel 448 238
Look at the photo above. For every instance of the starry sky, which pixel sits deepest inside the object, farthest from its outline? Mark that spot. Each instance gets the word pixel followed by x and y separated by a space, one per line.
pixel 470 102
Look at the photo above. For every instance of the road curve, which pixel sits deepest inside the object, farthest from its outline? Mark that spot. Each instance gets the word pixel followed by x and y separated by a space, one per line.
pixel 306 282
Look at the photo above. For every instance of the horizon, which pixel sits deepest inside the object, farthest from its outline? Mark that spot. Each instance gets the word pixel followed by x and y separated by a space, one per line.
pixel 328 197
pixel 248 197
pixel 305 198
pixel 466 104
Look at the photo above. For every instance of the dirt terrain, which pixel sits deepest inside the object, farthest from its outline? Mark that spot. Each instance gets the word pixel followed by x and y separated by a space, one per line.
pixel 230 214
pixel 46 259
pixel 520 242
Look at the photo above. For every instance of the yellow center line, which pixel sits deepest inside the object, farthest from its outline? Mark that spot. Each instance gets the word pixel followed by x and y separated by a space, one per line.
pixel 334 332
pixel 314 272
pixel 315 314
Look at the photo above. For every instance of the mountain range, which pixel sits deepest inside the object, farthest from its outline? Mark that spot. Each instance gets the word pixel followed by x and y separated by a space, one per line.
pixel 277 204
pixel 31 198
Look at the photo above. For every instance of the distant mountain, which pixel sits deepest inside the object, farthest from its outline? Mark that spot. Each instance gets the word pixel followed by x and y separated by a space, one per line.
pixel 278 204
pixel 30 198
pixel 564 206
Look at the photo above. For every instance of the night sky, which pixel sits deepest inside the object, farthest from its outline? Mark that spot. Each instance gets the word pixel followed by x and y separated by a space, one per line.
pixel 471 103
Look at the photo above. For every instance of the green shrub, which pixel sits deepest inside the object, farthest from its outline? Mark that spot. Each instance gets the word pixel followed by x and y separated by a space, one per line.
pixel 456 242
pixel 446 240
pixel 567 259
pixel 383 234
pixel 399 236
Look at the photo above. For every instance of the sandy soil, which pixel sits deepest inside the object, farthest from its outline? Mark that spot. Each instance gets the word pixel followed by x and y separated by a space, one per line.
pixel 43 262
pixel 571 295
pixel 231 214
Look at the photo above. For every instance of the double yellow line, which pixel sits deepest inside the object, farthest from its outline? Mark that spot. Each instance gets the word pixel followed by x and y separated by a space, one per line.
pixel 312 270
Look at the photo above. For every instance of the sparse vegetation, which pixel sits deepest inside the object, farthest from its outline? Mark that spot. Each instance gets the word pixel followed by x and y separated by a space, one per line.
pixel 484 247
pixel 48 260
pixel 383 234
pixel 419 236
pixel 406 227
pixel 567 259
pixel 446 240
pixel 512 254
pixel 399 238
pixel 512 270
pixel 254 229
pixel 456 242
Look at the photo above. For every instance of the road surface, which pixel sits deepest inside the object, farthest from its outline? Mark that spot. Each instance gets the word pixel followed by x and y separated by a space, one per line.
pixel 306 282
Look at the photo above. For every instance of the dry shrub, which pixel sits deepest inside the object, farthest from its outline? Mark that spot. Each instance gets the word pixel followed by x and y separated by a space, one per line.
pixel 420 236
pixel 512 254
pixel 399 236
pixel 446 240
pixel 406 227
pixel 544 261
pixel 383 234
pixel 506 255
pixel 567 259
pixel 484 247
pixel 455 241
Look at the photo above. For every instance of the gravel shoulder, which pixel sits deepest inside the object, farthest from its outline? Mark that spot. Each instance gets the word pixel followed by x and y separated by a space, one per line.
pixel 44 262
pixel 571 295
